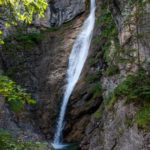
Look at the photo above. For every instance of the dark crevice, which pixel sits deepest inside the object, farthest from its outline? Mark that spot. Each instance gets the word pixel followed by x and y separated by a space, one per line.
pixel 117 6
pixel 73 119
pixel 113 147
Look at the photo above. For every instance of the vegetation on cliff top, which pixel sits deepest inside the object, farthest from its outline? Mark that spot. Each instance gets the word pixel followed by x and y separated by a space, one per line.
pixel 22 40
pixel 20 10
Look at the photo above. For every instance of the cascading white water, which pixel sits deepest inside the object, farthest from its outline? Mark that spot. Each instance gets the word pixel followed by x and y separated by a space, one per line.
pixel 77 59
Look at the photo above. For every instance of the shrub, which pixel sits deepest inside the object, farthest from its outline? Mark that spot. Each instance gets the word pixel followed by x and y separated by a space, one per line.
pixel 16 96
pixel 8 142
pixel 93 77
pixel 29 38
pixel 143 117
pixel 135 88
pixel 112 70
pixel 96 89
pixel 23 39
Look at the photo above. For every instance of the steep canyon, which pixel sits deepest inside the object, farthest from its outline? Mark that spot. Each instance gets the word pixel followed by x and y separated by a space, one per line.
pixel 110 106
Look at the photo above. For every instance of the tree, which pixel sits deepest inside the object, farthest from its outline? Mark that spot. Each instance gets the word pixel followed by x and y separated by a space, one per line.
pixel 12 11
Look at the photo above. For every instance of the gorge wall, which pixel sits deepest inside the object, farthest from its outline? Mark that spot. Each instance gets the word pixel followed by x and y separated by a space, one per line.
pixel 37 60
pixel 103 115
pixel 107 110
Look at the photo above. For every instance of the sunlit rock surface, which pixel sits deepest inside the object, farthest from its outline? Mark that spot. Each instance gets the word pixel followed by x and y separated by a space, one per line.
pixel 60 11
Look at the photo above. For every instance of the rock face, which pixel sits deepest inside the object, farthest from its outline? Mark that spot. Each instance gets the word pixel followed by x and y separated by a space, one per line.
pixel 41 69
pixel 40 66
pixel 57 13
pixel 60 11
pixel 9 121
pixel 99 128
pixel 114 132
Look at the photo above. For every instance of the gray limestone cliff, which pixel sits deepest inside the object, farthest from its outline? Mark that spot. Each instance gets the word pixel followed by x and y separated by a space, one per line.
pixel 60 11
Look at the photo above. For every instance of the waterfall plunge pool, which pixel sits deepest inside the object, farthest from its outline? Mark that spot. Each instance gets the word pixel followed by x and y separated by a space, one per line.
pixel 73 146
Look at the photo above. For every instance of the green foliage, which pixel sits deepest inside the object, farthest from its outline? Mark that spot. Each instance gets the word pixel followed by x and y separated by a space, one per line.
pixel 108 33
pixel 96 89
pixel 20 10
pixel 92 77
pixel 8 142
pixel 30 38
pixel 112 70
pixel 16 97
pixel 98 114
pixel 110 100
pixel 53 29
pixel 23 39
pixel 135 88
pixel 143 116
pixel 139 2
pixel 108 25
pixel 23 10
pixel 32 145
pixel 91 61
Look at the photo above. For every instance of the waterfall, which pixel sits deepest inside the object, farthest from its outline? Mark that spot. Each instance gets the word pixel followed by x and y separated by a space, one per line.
pixel 77 59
